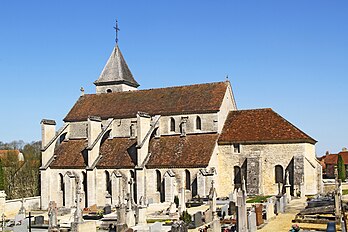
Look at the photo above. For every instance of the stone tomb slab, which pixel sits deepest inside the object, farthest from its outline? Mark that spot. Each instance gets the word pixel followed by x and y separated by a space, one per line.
pixel 155 227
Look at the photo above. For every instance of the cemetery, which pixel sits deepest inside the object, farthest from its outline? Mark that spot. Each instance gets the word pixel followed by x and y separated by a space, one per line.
pixel 232 213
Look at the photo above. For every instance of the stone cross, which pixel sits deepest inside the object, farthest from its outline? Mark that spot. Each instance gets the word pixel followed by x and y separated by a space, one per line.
pixel 130 202
pixel 52 217
pixel 182 202
pixel 242 224
pixel 78 213
pixel 22 209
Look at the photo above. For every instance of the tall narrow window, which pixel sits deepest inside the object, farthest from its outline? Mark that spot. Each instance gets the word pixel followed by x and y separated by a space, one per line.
pixel 158 180
pixel 107 182
pixel 237 175
pixel 172 125
pixel 61 182
pixel 279 174
pixel 198 123
pixel 188 179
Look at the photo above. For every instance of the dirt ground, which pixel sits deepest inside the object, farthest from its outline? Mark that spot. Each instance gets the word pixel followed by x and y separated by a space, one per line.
pixel 283 222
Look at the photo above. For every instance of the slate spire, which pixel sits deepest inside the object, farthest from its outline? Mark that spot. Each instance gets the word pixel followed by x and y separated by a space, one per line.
pixel 116 75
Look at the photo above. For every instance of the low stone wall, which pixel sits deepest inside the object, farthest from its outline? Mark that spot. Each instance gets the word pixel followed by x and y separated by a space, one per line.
pixel 329 185
pixel 30 203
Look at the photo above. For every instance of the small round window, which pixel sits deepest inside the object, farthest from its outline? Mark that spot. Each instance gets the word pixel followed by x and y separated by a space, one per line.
pixel 109 91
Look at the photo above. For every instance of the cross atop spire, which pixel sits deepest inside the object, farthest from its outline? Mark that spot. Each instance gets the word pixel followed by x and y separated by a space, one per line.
pixel 117 30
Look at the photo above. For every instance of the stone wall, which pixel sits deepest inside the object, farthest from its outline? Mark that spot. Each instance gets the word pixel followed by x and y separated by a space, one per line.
pixel 270 155
pixel 30 203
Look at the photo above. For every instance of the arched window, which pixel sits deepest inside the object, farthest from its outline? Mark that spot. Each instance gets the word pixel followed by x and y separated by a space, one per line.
pixel 61 182
pixel 158 180
pixel 279 174
pixel 237 175
pixel 172 124
pixel 198 123
pixel 109 90
pixel 188 179
pixel 107 182
pixel 84 184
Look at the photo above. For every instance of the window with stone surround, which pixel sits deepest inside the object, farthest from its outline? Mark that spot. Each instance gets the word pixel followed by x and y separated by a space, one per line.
pixel 188 179
pixel 279 174
pixel 172 124
pixel 237 175
pixel 198 123
pixel 107 182
pixel 236 148
pixel 158 180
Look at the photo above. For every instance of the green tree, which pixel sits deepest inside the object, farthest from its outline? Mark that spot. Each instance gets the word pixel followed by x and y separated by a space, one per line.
pixel 341 168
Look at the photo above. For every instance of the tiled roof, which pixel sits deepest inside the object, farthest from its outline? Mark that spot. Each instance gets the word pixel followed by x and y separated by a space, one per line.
pixel 71 154
pixel 199 98
pixel 118 153
pixel 166 151
pixel 260 126
pixel 332 158
pixel 175 151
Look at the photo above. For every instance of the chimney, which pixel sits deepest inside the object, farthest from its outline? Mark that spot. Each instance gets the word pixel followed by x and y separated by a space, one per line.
pixel 48 130
pixel 327 153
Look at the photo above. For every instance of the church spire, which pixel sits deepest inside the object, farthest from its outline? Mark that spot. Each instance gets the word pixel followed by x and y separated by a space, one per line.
pixel 116 76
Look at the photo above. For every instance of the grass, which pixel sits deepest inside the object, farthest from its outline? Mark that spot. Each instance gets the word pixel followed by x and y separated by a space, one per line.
pixel 158 220
pixel 258 199
pixel 345 192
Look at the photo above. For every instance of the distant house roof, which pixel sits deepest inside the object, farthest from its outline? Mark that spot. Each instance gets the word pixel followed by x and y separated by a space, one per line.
pixel 166 151
pixel 260 126
pixel 332 158
pixel 200 98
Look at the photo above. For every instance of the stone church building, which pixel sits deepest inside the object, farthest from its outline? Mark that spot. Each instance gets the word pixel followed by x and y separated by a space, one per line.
pixel 154 143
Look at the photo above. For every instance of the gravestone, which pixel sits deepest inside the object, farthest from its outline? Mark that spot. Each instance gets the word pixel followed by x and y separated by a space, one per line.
pixel 23 227
pixel 39 220
pixel 179 226
pixel 107 209
pixel 155 227
pixel 252 226
pixel 242 221
pixel 19 218
pixel 269 209
pixel 224 210
pixel 258 212
pixel 197 219
pixel 232 208
pixel 52 217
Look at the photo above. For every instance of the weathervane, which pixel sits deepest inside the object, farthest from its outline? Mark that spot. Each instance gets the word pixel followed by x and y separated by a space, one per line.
pixel 116 29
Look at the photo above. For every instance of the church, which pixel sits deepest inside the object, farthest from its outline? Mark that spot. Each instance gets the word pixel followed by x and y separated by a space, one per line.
pixel 153 144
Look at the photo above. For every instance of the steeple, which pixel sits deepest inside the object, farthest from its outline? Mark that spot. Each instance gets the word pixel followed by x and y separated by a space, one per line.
pixel 116 76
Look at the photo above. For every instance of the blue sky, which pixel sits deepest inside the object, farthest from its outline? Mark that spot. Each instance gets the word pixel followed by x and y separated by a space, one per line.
pixel 291 56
